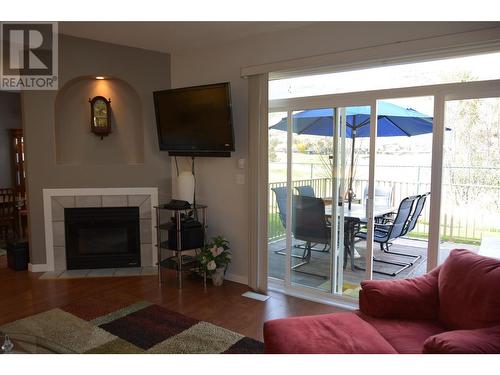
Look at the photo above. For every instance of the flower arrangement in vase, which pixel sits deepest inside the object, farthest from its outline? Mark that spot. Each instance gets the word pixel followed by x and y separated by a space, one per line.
pixel 214 258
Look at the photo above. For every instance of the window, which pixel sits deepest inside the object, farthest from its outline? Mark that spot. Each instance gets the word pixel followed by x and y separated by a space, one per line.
pixel 462 69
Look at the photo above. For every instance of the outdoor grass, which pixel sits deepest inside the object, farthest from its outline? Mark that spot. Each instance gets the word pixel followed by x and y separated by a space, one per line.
pixel 275 228
pixel 459 234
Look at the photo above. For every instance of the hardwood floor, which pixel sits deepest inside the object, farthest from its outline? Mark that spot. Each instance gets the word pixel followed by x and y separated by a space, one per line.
pixel 23 294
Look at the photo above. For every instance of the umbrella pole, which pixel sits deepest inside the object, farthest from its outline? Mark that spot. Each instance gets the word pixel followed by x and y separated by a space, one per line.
pixel 350 192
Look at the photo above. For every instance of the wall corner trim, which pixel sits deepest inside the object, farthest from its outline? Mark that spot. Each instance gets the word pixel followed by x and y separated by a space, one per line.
pixel 38 267
pixel 237 278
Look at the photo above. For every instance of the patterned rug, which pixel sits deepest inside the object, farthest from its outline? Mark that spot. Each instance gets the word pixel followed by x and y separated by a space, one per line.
pixel 141 327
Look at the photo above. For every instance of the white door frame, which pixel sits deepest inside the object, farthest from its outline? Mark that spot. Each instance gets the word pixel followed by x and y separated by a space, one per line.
pixel 441 94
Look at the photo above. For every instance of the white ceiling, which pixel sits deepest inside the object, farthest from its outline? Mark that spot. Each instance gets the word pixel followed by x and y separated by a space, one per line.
pixel 172 37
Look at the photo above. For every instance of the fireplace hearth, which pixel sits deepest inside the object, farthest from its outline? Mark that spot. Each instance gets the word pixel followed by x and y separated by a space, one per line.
pixel 102 237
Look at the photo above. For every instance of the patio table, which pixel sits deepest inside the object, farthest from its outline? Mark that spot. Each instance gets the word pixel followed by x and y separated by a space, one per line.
pixel 352 219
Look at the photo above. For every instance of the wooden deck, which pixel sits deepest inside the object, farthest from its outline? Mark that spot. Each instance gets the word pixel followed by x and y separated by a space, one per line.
pixel 314 274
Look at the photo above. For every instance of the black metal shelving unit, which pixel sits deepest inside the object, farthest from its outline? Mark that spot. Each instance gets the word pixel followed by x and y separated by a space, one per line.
pixel 173 258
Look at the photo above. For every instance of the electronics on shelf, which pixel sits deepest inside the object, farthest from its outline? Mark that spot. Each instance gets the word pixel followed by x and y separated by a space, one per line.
pixel 191 232
pixel 177 204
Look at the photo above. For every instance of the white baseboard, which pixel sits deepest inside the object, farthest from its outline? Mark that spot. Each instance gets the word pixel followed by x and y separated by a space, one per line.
pixel 236 278
pixel 38 267
pixel 231 277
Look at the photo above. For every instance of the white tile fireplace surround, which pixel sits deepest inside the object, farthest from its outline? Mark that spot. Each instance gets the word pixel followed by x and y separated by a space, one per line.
pixel 56 200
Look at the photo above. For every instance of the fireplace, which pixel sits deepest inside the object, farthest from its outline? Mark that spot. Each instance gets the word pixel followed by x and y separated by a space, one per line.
pixel 102 237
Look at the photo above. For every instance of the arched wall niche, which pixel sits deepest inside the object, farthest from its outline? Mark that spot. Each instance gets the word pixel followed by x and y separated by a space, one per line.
pixel 77 145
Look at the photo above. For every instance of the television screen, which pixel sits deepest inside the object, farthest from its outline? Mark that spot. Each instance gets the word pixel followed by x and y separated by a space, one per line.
pixel 195 121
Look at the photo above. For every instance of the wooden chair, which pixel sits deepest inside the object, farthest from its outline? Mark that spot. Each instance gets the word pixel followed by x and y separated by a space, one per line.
pixel 7 191
pixel 8 212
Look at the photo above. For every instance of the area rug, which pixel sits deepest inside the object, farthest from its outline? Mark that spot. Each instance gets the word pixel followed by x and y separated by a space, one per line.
pixel 141 327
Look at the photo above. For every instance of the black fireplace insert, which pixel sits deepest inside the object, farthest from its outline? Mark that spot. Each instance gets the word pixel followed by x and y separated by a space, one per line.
pixel 102 237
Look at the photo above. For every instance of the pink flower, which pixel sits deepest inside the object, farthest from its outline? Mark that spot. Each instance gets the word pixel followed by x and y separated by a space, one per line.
pixel 211 265
pixel 216 251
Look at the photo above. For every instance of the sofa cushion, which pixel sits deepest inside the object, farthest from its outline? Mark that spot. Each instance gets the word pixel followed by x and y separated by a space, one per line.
pixel 340 333
pixel 415 298
pixel 406 336
pixel 469 295
pixel 471 341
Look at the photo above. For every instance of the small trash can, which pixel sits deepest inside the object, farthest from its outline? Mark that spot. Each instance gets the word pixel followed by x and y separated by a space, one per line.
pixel 18 255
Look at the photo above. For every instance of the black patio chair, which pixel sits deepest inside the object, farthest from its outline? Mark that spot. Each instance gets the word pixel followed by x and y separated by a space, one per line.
pixel 384 234
pixel 309 224
pixel 307 191
pixel 412 223
pixel 419 207
pixel 280 193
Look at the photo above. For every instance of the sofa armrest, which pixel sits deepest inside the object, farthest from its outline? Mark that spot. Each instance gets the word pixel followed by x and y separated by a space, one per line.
pixel 337 333
pixel 416 298
pixel 467 341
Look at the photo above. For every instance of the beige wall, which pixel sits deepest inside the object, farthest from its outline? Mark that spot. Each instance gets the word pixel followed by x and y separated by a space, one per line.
pixel 216 178
pixel 76 145
pixel 10 118
pixel 145 72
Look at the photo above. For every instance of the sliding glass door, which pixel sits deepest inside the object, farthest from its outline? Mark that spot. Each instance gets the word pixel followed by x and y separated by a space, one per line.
pixel 314 215
pixel 470 198
pixel 353 202
pixel 341 177
pixel 403 159
pixel 303 243
pixel 310 164
pixel 383 189
pixel 277 194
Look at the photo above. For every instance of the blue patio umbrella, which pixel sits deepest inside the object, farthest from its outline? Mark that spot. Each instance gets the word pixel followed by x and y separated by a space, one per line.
pixel 393 121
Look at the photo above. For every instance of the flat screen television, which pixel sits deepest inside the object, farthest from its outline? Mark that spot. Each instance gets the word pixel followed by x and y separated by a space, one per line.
pixel 195 121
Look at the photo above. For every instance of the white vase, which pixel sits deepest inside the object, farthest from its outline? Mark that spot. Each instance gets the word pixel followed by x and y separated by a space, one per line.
pixel 185 187
pixel 218 276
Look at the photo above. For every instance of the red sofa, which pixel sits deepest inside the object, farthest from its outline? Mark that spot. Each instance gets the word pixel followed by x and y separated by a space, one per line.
pixel 453 309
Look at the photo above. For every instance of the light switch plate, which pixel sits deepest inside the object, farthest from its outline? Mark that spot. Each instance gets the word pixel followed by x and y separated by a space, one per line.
pixel 241 163
pixel 240 179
